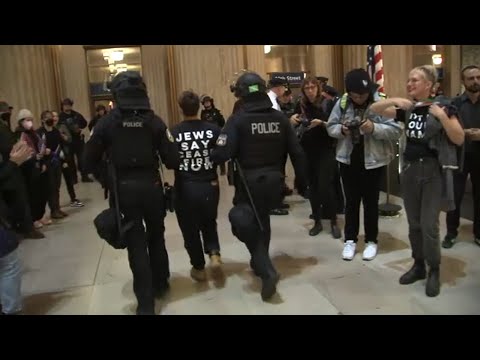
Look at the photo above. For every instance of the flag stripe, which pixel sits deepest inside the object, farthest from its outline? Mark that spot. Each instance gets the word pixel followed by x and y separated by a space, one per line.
pixel 375 65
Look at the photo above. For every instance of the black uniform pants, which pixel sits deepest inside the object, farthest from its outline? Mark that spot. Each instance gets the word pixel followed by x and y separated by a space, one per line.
pixel 471 167
pixel 361 185
pixel 143 201
pixel 266 190
pixel 196 207
pixel 321 174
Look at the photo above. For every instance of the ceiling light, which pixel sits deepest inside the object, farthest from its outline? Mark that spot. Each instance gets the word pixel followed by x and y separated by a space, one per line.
pixel 117 55
pixel 437 59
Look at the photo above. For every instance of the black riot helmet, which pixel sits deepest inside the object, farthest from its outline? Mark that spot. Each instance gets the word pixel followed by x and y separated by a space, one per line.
pixel 249 84
pixel 129 91
pixel 234 79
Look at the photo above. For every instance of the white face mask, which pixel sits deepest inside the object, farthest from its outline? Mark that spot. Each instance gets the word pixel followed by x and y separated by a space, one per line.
pixel 28 124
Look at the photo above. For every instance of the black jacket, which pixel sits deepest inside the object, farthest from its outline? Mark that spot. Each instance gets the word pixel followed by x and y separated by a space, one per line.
pixel 213 115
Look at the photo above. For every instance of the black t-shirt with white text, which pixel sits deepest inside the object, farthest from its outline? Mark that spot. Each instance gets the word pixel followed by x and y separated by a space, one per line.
pixel 196 139
pixel 415 126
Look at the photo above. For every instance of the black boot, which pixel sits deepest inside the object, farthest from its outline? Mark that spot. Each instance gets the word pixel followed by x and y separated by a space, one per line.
pixel 417 272
pixel 433 282
pixel 145 311
pixel 251 250
pixel 269 286
pixel 145 308
pixel 336 233
pixel 264 268
pixel 252 265
pixel 317 228
pixel 161 289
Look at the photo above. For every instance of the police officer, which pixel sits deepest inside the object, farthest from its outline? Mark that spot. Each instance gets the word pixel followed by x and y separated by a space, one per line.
pixel 132 136
pixel 211 114
pixel 257 139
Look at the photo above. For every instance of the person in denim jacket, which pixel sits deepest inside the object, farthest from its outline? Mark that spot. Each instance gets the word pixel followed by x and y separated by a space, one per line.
pixel 364 148
pixel 10 264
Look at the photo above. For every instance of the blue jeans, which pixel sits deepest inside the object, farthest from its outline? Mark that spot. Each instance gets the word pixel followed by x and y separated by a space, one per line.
pixel 10 283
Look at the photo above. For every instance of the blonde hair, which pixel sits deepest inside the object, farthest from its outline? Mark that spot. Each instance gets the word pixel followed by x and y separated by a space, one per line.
pixel 430 74
pixel 429 71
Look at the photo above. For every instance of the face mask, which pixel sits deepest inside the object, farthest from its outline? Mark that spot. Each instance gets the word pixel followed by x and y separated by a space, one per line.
pixel 6 117
pixel 49 122
pixel 28 125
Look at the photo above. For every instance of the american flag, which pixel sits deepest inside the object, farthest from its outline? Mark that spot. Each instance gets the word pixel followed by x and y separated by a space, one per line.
pixel 375 65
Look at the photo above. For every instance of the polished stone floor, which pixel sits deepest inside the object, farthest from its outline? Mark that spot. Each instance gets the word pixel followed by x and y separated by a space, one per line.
pixel 72 271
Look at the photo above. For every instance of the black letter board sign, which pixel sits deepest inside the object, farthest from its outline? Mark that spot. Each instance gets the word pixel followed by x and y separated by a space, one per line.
pixel 292 78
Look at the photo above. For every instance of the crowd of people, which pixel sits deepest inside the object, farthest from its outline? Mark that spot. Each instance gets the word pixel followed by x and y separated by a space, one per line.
pixel 339 146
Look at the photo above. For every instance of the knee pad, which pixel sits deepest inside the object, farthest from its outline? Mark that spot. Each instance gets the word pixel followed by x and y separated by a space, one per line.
pixel 243 222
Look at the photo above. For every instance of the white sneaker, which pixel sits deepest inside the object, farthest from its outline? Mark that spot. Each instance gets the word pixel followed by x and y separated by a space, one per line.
pixel 349 250
pixel 370 251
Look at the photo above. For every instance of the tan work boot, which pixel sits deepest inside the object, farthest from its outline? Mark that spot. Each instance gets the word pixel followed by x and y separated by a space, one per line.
pixel 198 275
pixel 215 261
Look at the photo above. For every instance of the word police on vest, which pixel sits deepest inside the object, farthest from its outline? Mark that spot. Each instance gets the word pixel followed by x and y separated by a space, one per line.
pixel 194 150
pixel 133 124
pixel 262 128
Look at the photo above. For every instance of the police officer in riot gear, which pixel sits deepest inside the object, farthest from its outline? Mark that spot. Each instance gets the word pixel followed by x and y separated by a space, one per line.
pixel 257 140
pixel 133 138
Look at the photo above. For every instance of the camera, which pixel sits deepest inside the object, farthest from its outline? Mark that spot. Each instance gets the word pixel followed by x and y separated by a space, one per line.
pixel 169 192
pixel 302 126
pixel 354 126
pixel 303 120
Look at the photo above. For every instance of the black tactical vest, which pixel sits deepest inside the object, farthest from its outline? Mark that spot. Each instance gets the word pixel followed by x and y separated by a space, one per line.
pixel 263 140
pixel 132 143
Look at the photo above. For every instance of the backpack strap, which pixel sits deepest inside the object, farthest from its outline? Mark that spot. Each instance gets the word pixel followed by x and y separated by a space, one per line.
pixel 344 103
pixel 382 95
